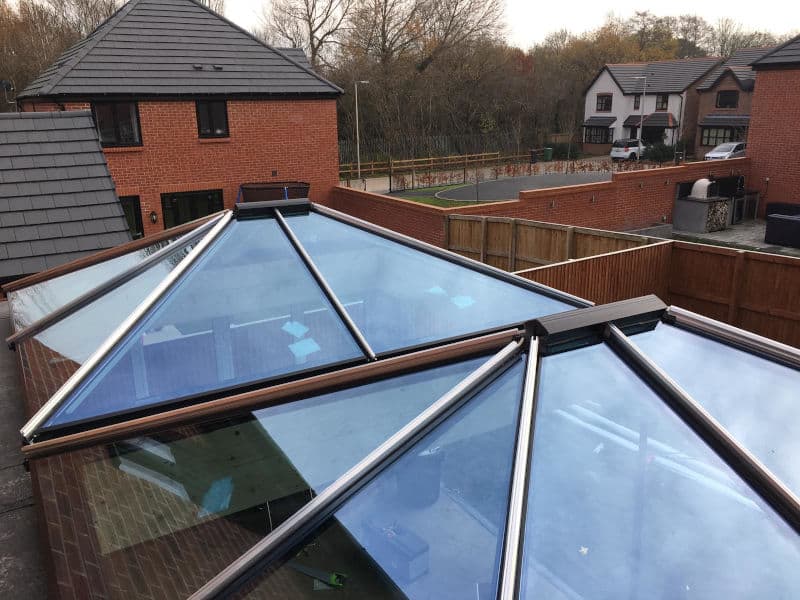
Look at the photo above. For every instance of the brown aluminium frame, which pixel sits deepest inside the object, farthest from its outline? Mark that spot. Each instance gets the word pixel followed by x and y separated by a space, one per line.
pixel 104 255
pixel 277 394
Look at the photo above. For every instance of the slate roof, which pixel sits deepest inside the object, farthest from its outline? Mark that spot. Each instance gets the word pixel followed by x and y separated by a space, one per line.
pixel 172 48
pixel 656 119
pixel 784 55
pixel 738 66
pixel 599 121
pixel 57 200
pixel 722 120
pixel 663 77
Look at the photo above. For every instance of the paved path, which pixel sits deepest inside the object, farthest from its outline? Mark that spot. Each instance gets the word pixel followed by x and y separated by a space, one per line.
pixel 509 188
pixel 22 573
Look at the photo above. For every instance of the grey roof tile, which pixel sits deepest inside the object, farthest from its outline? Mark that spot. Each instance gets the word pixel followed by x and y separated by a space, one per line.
pixel 151 47
pixel 663 77
pixel 738 66
pixel 787 54
pixel 52 175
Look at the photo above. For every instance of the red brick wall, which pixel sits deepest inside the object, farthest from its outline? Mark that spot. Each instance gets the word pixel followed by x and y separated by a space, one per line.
pixel 632 200
pixel 295 138
pixel 772 143
pixel 708 105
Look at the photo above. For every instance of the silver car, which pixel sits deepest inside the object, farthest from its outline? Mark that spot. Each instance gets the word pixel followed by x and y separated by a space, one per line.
pixel 727 150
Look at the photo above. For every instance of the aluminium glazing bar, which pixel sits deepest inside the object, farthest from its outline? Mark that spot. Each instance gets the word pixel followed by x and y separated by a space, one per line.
pixel 236 403
pixel 746 465
pixel 515 527
pixel 51 405
pixel 108 254
pixel 453 257
pixel 312 514
pixel 105 287
pixel 326 288
pixel 783 353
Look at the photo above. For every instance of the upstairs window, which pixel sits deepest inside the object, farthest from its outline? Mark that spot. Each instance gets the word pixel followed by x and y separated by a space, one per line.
pixel 603 102
pixel 637 99
pixel 117 123
pixel 727 99
pixel 212 119
pixel 662 101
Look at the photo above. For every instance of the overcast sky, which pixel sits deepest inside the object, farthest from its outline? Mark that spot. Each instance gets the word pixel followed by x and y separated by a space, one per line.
pixel 529 21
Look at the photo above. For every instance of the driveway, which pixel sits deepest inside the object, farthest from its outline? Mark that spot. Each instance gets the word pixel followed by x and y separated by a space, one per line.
pixel 509 188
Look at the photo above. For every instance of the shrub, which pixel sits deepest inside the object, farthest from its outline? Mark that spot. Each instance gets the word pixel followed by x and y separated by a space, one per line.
pixel 662 153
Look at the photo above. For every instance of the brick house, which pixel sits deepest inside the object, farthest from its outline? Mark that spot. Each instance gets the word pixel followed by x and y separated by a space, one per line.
pixel 616 107
pixel 772 142
pixel 725 99
pixel 189 107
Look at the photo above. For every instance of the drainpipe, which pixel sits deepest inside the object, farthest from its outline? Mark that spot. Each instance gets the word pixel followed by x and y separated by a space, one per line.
pixel 680 130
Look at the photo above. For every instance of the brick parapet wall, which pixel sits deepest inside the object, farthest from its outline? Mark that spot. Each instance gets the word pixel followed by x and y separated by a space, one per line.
pixel 772 143
pixel 631 200
pixel 295 139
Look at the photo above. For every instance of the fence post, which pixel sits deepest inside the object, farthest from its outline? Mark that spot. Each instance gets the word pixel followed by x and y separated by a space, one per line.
pixel 484 230
pixel 512 253
pixel 736 285
pixel 447 232
pixel 569 250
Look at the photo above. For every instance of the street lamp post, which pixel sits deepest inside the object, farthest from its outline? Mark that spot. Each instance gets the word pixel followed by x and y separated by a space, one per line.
pixel 358 133
pixel 641 118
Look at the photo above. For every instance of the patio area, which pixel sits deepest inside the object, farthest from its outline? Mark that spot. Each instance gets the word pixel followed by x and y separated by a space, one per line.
pixel 748 235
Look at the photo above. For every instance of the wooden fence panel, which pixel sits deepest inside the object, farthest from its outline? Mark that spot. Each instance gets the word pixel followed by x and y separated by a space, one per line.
pixel 701 279
pixel 769 297
pixel 540 243
pixel 589 242
pixel 610 277
pixel 498 242
pixel 465 236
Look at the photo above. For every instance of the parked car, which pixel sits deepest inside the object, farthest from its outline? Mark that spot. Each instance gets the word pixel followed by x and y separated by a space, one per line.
pixel 626 149
pixel 727 150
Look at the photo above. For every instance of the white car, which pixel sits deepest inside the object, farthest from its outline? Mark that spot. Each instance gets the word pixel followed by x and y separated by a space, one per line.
pixel 626 149
pixel 727 150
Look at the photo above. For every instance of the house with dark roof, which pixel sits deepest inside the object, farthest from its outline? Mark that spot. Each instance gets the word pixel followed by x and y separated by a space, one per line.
pixel 772 141
pixel 725 97
pixel 190 106
pixel 57 200
pixel 658 97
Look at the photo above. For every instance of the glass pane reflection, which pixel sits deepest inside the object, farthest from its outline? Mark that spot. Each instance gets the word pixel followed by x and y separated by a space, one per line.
pixel 191 500
pixel 753 398
pixel 626 502
pixel 402 297
pixel 30 304
pixel 247 310
pixel 431 525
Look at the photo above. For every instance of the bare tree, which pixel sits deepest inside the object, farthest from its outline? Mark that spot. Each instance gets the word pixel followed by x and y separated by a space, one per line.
pixel 449 23
pixel 728 36
pixel 83 16
pixel 385 29
pixel 313 25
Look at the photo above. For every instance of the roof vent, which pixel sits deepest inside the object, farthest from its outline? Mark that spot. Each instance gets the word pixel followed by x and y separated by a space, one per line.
pixel 259 210
pixel 197 67
pixel 217 67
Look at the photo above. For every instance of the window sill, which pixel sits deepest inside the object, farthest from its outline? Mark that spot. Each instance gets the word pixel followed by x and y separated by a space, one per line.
pixel 219 140
pixel 122 149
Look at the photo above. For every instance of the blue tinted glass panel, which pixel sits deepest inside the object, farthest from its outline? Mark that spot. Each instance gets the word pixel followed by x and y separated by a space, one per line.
pixel 431 525
pixel 76 337
pixel 219 487
pixel 247 310
pixel 625 501
pixel 753 398
pixel 402 297
pixel 30 304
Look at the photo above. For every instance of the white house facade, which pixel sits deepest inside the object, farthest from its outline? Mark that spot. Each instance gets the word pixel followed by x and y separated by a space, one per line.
pixel 617 102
